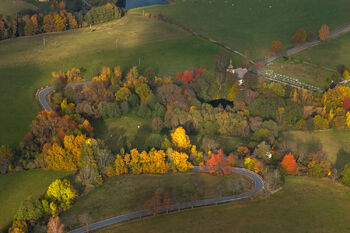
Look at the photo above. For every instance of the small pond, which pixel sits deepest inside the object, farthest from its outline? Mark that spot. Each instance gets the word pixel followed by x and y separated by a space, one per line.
pixel 130 4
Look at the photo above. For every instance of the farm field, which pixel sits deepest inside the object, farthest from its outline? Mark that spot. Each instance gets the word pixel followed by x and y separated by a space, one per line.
pixel 333 142
pixel 30 183
pixel 125 194
pixel 28 64
pixel 333 53
pixel 250 26
pixel 303 205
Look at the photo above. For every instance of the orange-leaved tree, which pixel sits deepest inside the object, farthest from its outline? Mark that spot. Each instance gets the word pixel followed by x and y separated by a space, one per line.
pixel 324 32
pixel 289 163
pixel 218 163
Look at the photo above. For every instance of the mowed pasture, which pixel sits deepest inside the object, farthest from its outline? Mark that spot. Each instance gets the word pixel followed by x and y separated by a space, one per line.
pixel 303 205
pixel 332 53
pixel 26 64
pixel 16 187
pixel 334 142
pixel 250 26
pixel 124 194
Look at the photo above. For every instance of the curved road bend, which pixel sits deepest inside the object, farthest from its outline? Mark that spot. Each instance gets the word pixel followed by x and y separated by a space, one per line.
pixel 258 185
pixel 257 180
pixel 44 92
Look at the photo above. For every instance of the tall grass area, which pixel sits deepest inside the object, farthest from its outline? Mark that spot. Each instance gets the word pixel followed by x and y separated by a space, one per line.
pixel 250 26
pixel 25 64
pixel 125 194
pixel 16 187
pixel 303 205
pixel 334 142
pixel 333 53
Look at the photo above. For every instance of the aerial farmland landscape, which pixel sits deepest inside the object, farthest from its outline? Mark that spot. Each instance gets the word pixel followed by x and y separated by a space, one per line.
pixel 174 116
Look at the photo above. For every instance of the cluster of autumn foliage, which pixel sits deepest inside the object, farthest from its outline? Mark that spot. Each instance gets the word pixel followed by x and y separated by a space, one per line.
pixel 190 76
pixel 176 158
pixel 58 197
pixel 57 20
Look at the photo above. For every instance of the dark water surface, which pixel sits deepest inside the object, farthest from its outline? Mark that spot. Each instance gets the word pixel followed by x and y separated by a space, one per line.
pixel 130 4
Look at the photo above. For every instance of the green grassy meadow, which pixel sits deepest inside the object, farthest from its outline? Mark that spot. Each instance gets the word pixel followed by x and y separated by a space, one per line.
pixel 306 73
pixel 333 53
pixel 25 64
pixel 121 195
pixel 334 142
pixel 16 187
pixel 303 205
pixel 250 26
pixel 8 7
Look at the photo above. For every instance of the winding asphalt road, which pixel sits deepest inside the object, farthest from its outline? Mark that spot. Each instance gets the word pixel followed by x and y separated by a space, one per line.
pixel 257 180
pixel 44 92
pixel 258 185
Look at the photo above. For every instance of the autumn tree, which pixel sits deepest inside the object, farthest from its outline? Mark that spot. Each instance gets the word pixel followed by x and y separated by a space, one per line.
pixel 299 37
pixel 18 226
pixel 276 46
pixel 55 226
pixel 190 76
pixel 30 209
pixel 324 32
pixel 320 123
pixel 120 167
pixel 180 140
pixel 243 151
pixel 179 162
pixel 61 193
pixel 122 94
pixel 289 163
pixel 218 163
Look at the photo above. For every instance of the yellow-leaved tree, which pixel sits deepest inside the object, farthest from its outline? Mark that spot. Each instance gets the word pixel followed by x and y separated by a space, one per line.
pixel 120 167
pixel 180 140
pixel 179 162
pixel 61 194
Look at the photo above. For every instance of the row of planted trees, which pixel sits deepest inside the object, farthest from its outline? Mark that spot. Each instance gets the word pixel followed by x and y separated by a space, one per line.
pixel 301 36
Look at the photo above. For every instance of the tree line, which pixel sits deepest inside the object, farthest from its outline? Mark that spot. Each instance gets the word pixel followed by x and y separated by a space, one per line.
pixel 57 20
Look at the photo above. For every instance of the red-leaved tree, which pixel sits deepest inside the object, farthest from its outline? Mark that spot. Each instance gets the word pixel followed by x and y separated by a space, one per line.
pixel 346 103
pixel 289 163
pixel 218 163
pixel 190 76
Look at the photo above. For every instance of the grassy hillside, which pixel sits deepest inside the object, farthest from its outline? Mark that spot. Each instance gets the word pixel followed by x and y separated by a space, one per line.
pixel 250 26
pixel 334 142
pixel 303 205
pixel 28 64
pixel 124 194
pixel 16 187
pixel 8 7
